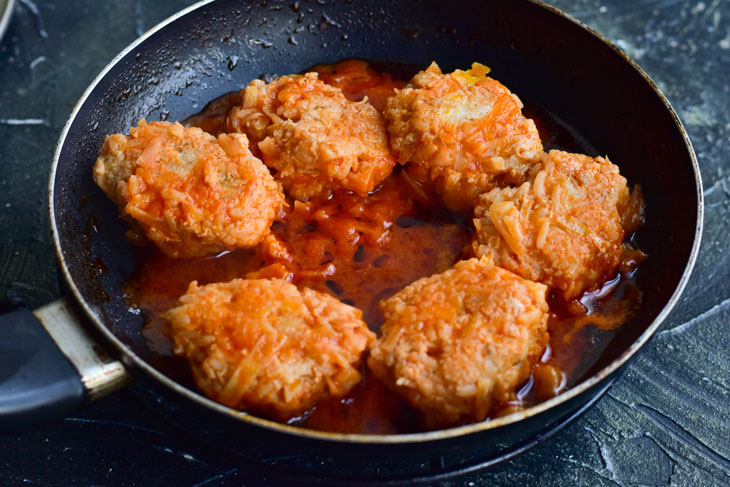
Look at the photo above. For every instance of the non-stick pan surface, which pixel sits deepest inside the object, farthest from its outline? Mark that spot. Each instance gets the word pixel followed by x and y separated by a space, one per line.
pixel 544 57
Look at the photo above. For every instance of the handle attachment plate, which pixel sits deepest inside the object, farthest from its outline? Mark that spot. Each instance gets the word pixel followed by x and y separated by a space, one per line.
pixel 100 374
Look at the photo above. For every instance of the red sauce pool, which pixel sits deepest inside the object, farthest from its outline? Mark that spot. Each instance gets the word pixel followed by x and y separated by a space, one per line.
pixel 363 250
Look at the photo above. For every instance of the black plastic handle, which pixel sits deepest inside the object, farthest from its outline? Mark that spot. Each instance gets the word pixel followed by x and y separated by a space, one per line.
pixel 38 384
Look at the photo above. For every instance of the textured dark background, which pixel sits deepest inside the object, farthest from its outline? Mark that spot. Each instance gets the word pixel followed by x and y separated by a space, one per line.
pixel 665 422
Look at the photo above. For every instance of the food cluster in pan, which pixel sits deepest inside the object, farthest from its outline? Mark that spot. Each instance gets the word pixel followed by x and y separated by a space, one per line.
pixel 452 344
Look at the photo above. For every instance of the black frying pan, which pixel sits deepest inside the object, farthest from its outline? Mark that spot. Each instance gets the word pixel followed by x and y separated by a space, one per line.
pixel 210 49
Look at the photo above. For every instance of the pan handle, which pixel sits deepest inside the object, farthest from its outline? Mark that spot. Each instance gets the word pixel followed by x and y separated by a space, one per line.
pixel 50 366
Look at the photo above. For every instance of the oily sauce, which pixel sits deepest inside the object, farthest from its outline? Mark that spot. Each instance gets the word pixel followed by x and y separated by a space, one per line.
pixel 363 250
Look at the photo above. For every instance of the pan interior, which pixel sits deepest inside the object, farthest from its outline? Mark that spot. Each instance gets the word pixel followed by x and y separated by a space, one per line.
pixel 219 47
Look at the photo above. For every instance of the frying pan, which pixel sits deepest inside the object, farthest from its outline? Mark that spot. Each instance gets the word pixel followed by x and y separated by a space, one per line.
pixel 68 352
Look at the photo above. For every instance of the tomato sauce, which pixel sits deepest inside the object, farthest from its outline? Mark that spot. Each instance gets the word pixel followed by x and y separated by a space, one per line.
pixel 365 249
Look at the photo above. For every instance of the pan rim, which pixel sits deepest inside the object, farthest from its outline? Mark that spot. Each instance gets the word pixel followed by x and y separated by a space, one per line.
pixel 7 12
pixel 366 439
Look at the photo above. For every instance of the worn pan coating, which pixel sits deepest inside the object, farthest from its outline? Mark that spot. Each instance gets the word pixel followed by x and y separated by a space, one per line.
pixel 214 48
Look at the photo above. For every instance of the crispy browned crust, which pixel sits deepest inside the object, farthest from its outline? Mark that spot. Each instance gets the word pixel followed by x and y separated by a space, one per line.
pixel 317 140
pixel 453 342
pixel 264 345
pixel 191 193
pixel 463 132
pixel 562 228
